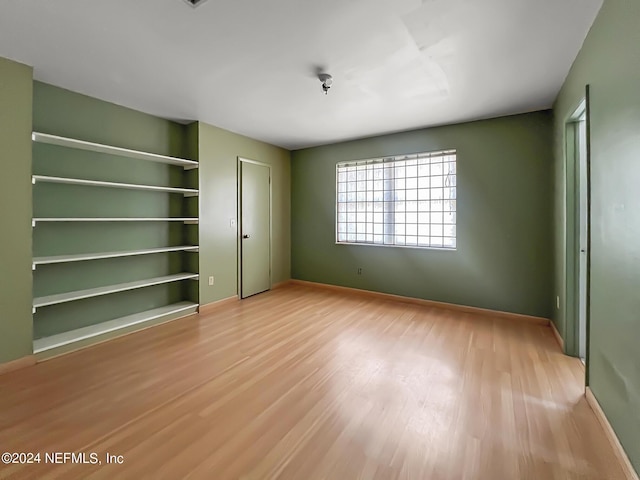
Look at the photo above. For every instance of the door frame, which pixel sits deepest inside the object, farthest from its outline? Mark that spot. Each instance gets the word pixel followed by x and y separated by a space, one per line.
pixel 572 233
pixel 240 161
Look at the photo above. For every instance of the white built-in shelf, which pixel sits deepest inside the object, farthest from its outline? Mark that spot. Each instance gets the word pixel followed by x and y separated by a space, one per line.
pixel 124 152
pixel 66 338
pixel 81 257
pixel 186 220
pixel 99 291
pixel 187 192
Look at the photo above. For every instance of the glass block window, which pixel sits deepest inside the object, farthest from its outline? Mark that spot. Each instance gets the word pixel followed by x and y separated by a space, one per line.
pixel 407 200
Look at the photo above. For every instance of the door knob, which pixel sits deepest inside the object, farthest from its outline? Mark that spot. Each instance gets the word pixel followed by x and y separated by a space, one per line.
pixel 245 236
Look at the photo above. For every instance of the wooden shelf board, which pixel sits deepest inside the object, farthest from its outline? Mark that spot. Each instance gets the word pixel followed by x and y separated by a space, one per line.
pixel 187 192
pixel 98 147
pixel 114 219
pixel 109 289
pixel 98 256
pixel 66 338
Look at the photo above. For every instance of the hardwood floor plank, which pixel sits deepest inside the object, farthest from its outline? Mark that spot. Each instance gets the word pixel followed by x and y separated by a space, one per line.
pixel 307 383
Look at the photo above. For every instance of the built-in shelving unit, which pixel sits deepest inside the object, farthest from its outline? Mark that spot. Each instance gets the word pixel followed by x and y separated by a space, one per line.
pixel 102 211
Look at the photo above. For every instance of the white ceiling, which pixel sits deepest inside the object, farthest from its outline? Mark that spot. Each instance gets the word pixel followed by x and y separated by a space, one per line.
pixel 249 65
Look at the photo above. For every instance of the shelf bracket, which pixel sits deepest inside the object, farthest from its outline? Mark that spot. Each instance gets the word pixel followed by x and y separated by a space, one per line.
pixel 33 224
pixel 33 266
pixel 33 310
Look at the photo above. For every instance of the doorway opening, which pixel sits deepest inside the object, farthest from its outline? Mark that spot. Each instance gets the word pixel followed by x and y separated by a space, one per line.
pixel 577 233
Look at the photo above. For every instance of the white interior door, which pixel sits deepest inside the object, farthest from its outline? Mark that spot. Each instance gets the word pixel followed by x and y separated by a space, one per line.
pixel 255 228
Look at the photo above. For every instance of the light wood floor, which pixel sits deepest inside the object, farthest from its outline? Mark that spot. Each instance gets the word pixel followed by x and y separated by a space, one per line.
pixel 300 383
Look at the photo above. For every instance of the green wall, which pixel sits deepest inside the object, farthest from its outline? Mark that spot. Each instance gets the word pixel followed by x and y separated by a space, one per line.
pixel 609 62
pixel 218 153
pixel 15 210
pixel 503 260
pixel 66 113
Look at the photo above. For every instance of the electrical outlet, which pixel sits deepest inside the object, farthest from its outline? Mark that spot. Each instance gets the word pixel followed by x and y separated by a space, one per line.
pixel 558 302
pixel 232 222
pixel 359 270
pixel 211 280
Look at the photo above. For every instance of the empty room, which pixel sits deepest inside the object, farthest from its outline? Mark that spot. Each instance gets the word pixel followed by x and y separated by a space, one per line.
pixel 382 239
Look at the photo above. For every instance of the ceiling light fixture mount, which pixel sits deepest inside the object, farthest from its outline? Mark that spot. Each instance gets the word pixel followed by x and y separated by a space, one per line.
pixel 327 81
pixel 195 3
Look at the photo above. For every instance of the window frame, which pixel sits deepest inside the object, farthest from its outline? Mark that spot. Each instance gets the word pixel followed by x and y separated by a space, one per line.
pixel 392 159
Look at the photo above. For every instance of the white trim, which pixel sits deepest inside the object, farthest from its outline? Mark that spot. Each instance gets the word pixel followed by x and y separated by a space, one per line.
pixel 570 308
pixel 394 158
pixel 579 112
pixel 255 162
pixel 446 249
